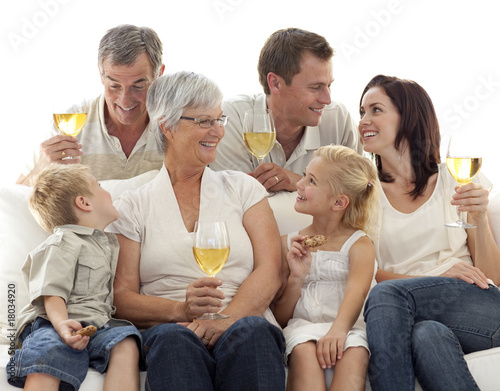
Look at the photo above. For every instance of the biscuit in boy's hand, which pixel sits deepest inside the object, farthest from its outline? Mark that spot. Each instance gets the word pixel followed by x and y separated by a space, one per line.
pixel 86 331
pixel 314 241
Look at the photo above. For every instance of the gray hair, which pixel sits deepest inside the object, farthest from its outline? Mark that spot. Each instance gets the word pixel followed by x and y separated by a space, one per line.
pixel 122 45
pixel 170 95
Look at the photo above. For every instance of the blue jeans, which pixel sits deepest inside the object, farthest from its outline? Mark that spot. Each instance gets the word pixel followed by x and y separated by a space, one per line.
pixel 43 351
pixel 248 356
pixel 421 327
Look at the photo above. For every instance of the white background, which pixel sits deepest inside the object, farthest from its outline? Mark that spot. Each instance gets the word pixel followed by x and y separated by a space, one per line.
pixel 449 47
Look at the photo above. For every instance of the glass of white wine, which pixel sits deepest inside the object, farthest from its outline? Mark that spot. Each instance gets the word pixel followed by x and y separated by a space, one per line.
pixel 211 250
pixel 463 163
pixel 259 132
pixel 70 121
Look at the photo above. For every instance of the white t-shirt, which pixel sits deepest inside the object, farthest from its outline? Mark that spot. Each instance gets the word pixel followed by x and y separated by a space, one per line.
pixel 150 215
pixel 419 243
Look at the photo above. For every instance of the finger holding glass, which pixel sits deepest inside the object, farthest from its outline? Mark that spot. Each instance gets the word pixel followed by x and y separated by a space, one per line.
pixel 69 121
pixel 259 132
pixel 211 250
pixel 463 162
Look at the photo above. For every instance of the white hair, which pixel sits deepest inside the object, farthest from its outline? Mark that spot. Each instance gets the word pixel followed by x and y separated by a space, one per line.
pixel 170 95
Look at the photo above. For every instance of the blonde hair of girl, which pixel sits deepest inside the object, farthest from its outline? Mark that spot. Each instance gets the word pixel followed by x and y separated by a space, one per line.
pixel 356 177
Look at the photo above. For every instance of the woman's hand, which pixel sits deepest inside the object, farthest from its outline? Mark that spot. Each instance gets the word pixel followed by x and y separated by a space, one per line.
pixel 468 273
pixel 299 258
pixel 209 331
pixel 203 296
pixel 330 348
pixel 471 198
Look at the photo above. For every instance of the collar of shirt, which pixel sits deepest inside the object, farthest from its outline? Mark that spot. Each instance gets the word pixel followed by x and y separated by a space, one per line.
pixel 78 229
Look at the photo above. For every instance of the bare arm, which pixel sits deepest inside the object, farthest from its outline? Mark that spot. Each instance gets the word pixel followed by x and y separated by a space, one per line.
pixel 285 270
pixel 482 245
pixel 260 287
pixel 58 315
pixel 298 262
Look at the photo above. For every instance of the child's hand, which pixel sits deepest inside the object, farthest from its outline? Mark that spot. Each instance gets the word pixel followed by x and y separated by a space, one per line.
pixel 299 258
pixel 65 330
pixel 330 348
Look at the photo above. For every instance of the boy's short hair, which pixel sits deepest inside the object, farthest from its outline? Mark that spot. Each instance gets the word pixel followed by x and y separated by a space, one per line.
pixel 55 188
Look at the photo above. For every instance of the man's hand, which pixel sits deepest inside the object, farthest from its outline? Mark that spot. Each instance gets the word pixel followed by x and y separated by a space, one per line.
pixel 275 178
pixel 55 149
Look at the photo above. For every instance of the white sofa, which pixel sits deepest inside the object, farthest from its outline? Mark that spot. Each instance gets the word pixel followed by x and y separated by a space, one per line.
pixel 19 233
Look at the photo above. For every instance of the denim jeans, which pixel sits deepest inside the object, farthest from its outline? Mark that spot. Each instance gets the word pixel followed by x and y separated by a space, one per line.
pixel 421 327
pixel 43 351
pixel 248 356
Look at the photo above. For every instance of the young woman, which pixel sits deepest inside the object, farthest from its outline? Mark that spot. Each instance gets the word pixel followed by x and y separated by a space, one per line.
pixel 420 327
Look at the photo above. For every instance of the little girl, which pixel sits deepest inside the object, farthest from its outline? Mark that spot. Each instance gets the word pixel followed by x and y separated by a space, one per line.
pixel 325 287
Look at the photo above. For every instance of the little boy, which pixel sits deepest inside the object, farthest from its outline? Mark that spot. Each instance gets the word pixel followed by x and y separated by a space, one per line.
pixel 70 279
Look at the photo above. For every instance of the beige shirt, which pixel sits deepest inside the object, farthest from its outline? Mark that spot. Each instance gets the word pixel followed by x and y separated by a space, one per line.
pixel 104 154
pixel 77 264
pixel 336 127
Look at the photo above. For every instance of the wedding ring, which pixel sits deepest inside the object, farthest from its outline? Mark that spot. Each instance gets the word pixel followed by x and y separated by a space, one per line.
pixel 277 180
pixel 206 339
pixel 63 155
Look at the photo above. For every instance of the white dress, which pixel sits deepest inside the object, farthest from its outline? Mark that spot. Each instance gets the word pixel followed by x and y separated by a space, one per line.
pixel 321 296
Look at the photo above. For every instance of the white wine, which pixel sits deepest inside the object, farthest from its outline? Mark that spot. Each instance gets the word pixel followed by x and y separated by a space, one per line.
pixel 70 124
pixel 259 144
pixel 211 260
pixel 463 169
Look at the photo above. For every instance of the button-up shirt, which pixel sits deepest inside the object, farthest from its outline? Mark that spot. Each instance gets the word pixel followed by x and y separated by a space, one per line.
pixel 77 264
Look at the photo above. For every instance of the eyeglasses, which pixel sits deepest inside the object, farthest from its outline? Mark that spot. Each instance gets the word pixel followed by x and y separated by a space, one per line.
pixel 208 123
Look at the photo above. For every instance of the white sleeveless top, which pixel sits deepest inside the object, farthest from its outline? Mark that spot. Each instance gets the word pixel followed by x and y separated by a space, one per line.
pixel 419 243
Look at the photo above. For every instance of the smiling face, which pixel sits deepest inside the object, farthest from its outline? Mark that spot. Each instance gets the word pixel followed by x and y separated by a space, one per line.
pixel 380 121
pixel 125 90
pixel 314 193
pixel 302 102
pixel 102 204
pixel 193 144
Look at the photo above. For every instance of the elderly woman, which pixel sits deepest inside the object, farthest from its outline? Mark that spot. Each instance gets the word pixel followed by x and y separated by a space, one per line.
pixel 158 284
pixel 420 327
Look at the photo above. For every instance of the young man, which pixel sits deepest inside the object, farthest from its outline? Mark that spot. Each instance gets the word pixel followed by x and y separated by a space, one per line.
pixel 116 142
pixel 69 279
pixel 295 70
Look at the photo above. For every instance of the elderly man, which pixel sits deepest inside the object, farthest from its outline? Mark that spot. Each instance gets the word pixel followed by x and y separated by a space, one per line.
pixel 295 70
pixel 116 142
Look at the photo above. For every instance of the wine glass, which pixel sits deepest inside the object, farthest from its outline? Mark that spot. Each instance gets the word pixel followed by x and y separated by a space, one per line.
pixel 69 121
pixel 259 132
pixel 211 250
pixel 463 163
